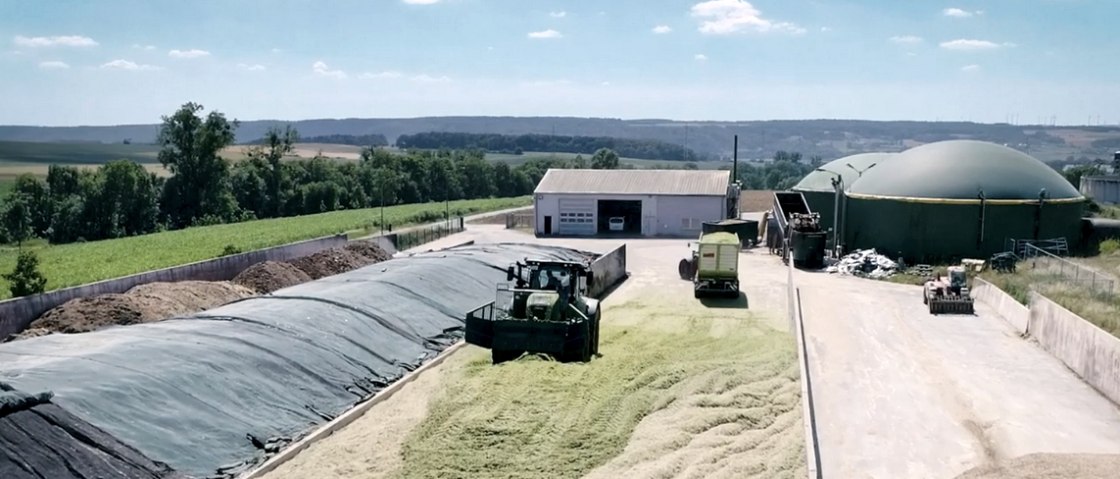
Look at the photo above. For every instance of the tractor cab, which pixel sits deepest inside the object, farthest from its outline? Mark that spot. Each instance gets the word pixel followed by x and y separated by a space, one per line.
pixel 958 279
pixel 543 289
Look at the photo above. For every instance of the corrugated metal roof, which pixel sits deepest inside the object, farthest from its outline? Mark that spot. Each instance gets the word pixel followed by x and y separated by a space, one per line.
pixel 636 182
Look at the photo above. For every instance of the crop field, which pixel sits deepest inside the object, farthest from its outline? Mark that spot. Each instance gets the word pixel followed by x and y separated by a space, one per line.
pixel 514 160
pixel 694 393
pixel 20 152
pixel 79 263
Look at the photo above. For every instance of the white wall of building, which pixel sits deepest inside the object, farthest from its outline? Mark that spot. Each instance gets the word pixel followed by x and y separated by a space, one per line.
pixel 661 215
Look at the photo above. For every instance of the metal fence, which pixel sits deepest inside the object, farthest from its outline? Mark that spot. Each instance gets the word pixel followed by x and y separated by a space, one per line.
pixel 1069 272
pixel 413 237
pixel 520 220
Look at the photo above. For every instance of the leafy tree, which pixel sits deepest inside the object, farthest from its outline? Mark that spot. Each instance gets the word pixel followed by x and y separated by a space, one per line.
pixel 130 195
pixel 1074 174
pixel 26 279
pixel 16 220
pixel 605 159
pixel 190 150
pixel 33 192
pixel 278 143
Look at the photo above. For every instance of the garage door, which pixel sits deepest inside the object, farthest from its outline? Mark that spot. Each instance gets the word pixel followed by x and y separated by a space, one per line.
pixel 577 216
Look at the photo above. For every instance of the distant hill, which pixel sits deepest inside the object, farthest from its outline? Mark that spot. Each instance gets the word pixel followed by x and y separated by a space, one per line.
pixel 757 139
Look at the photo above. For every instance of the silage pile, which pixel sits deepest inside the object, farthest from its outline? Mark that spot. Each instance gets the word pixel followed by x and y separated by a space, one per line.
pixel 865 263
pixel 159 301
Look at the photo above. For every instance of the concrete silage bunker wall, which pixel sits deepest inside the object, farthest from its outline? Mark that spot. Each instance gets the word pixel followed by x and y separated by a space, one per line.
pixel 1089 351
pixel 187 391
pixel 16 314
pixel 607 271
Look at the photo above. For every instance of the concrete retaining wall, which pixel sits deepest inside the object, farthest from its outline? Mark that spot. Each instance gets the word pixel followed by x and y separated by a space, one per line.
pixel 607 270
pixel 1013 311
pixel 1089 351
pixel 17 313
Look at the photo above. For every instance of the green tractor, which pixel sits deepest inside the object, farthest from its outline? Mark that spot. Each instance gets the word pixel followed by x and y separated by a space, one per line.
pixel 546 311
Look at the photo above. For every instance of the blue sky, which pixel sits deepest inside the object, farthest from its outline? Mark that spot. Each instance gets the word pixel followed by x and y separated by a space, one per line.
pixel 69 62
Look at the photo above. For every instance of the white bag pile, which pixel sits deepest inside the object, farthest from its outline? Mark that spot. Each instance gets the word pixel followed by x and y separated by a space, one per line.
pixel 865 263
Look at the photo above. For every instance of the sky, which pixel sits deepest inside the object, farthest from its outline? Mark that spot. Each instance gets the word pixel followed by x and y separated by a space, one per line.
pixel 69 62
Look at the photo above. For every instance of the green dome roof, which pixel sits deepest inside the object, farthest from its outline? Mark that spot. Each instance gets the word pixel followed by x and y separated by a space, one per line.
pixel 822 180
pixel 959 170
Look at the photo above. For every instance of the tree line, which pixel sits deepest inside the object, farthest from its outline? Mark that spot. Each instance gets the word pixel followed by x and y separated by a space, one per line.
pixel 353 140
pixel 517 144
pixel 122 198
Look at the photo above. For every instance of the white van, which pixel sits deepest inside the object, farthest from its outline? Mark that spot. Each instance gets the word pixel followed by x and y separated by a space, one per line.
pixel 617 223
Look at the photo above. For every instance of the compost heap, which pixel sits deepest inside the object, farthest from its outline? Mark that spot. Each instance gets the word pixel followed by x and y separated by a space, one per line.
pixel 215 393
pixel 39 439
pixel 865 263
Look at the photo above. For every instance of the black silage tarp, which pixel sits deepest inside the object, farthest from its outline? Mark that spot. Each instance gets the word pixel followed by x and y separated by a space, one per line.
pixel 40 440
pixel 189 391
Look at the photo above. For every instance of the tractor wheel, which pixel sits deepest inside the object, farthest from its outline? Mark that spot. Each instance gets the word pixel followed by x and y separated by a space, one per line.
pixel 595 333
pixel 502 355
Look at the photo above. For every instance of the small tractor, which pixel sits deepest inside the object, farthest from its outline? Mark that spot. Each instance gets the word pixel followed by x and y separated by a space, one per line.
pixel 948 295
pixel 546 311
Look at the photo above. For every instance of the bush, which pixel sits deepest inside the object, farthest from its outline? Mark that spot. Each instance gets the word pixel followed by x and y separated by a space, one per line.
pixel 26 279
pixel 1110 246
pixel 231 250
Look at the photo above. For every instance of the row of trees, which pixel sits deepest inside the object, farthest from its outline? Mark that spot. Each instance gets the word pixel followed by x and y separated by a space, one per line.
pixel 516 144
pixel 122 198
pixel 354 140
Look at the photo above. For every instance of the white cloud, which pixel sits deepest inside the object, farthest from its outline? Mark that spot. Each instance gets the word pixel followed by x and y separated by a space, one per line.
pixel 722 17
pixel 606 83
pixel 661 29
pixel 967 44
pixel 421 2
pixel 911 54
pixel 956 12
pixel 381 75
pixel 550 33
pixel 64 40
pixel 560 14
pixel 700 57
pixel 256 67
pixel 143 47
pixel 394 74
pixel 320 68
pixel 826 29
pixel 970 68
pixel 192 53
pixel 276 50
pixel 53 65
pixel 906 39
pixel 128 65
pixel 424 78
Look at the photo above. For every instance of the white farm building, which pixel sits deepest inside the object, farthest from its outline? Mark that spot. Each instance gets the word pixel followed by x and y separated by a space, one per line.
pixel 671 203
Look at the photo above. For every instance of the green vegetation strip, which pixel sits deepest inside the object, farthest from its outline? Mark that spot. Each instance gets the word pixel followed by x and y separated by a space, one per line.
pixel 731 378
pixel 79 263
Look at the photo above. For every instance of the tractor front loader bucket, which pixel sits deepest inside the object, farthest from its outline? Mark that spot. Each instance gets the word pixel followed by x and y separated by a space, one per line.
pixel 951 306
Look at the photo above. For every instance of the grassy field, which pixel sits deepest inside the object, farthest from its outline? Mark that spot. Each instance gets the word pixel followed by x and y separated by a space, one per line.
pixel 684 383
pixel 80 263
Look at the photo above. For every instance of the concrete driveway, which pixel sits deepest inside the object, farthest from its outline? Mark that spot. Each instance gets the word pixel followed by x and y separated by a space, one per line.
pixel 900 393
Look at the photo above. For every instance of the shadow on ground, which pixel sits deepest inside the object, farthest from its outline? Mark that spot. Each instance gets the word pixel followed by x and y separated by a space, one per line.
pixel 738 302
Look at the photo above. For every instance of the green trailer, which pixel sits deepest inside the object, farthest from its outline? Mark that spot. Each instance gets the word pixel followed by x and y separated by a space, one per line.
pixel 714 265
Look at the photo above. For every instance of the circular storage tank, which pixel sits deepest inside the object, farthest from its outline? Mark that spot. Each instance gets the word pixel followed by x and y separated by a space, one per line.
pixel 925 203
pixel 817 189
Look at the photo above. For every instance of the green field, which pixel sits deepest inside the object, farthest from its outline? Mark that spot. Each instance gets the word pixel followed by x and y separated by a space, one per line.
pixel 80 263
pixel 514 160
pixel 18 152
